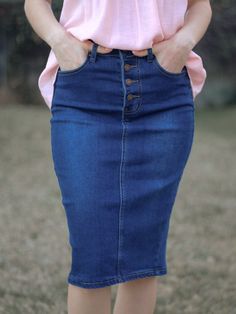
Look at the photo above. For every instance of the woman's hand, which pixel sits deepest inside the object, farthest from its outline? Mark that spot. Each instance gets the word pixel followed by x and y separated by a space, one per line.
pixel 70 52
pixel 172 54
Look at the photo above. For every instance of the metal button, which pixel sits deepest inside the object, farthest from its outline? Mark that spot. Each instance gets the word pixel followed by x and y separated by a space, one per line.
pixel 129 81
pixel 130 96
pixel 127 67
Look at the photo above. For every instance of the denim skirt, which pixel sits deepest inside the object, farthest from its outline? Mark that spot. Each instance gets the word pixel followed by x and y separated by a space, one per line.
pixel 121 133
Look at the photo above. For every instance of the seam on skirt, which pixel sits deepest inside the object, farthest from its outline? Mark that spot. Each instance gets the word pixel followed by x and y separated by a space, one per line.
pixel 122 164
pixel 118 279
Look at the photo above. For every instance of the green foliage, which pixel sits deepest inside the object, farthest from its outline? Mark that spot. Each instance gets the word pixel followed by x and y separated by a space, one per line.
pixel 23 48
pixel 220 41
pixel 19 30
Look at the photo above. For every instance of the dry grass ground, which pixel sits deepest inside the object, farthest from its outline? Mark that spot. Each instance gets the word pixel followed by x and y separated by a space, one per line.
pixel 35 256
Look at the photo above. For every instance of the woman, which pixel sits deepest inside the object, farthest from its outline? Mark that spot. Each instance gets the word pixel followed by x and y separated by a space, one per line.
pixel 120 82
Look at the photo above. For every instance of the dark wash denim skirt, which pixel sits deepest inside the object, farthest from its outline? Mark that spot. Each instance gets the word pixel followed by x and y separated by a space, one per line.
pixel 121 133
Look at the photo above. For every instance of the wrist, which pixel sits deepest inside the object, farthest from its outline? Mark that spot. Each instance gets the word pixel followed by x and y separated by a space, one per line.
pixel 184 39
pixel 56 37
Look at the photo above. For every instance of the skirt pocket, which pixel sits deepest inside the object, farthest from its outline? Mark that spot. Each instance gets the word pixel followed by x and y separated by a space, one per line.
pixel 77 69
pixel 165 71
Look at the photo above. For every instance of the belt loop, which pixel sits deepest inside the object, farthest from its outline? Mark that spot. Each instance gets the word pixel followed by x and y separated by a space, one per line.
pixel 93 52
pixel 150 55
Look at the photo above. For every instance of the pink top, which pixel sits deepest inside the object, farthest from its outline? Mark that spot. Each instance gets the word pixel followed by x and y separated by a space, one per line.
pixel 122 24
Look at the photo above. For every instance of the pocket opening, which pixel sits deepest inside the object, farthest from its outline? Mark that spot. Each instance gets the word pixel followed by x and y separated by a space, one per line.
pixel 165 71
pixel 77 69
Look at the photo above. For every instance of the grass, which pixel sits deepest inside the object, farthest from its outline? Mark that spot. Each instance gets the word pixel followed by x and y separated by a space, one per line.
pixel 35 256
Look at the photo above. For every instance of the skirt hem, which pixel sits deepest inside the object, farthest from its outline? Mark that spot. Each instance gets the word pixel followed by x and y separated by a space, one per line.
pixel 115 280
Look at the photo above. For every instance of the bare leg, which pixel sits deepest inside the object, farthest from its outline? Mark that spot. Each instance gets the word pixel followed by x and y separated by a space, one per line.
pixel 136 296
pixel 88 301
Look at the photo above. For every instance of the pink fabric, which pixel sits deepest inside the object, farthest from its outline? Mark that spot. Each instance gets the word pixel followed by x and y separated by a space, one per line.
pixel 122 24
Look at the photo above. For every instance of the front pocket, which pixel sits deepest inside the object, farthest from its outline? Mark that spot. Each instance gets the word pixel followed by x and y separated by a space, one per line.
pixel 166 72
pixel 77 69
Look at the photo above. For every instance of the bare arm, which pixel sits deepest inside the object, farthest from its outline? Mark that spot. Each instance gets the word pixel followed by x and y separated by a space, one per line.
pixel 172 53
pixel 70 52
pixel 197 20
pixel 43 21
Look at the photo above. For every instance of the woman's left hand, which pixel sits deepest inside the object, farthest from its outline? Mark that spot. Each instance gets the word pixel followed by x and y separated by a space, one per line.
pixel 171 54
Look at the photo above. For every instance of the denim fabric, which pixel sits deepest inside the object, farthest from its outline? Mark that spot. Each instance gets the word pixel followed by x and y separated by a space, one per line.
pixel 122 129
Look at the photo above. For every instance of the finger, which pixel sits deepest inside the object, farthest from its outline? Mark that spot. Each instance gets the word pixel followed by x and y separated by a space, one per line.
pixel 87 44
pixel 154 48
pixel 140 53
pixel 102 49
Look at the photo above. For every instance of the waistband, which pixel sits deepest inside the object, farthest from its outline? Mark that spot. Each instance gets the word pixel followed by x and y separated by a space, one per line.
pixel 118 52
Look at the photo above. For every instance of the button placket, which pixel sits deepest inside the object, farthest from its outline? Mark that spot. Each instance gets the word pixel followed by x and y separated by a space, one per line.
pixel 131 105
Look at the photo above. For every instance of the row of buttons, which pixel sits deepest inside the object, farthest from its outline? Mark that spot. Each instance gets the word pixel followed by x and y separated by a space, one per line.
pixel 130 81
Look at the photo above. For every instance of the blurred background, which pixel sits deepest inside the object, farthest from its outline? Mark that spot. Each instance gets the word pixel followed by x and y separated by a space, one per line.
pixel 34 253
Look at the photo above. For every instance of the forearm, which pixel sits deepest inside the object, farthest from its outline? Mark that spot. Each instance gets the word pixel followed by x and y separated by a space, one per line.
pixel 43 21
pixel 197 19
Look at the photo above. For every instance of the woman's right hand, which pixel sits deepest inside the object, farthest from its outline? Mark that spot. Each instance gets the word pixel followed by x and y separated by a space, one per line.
pixel 70 52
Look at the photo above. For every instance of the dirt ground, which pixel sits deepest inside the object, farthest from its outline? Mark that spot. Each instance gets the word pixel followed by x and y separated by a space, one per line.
pixel 35 255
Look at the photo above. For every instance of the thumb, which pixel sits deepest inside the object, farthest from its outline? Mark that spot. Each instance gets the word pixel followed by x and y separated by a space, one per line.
pixel 103 49
pixel 140 53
